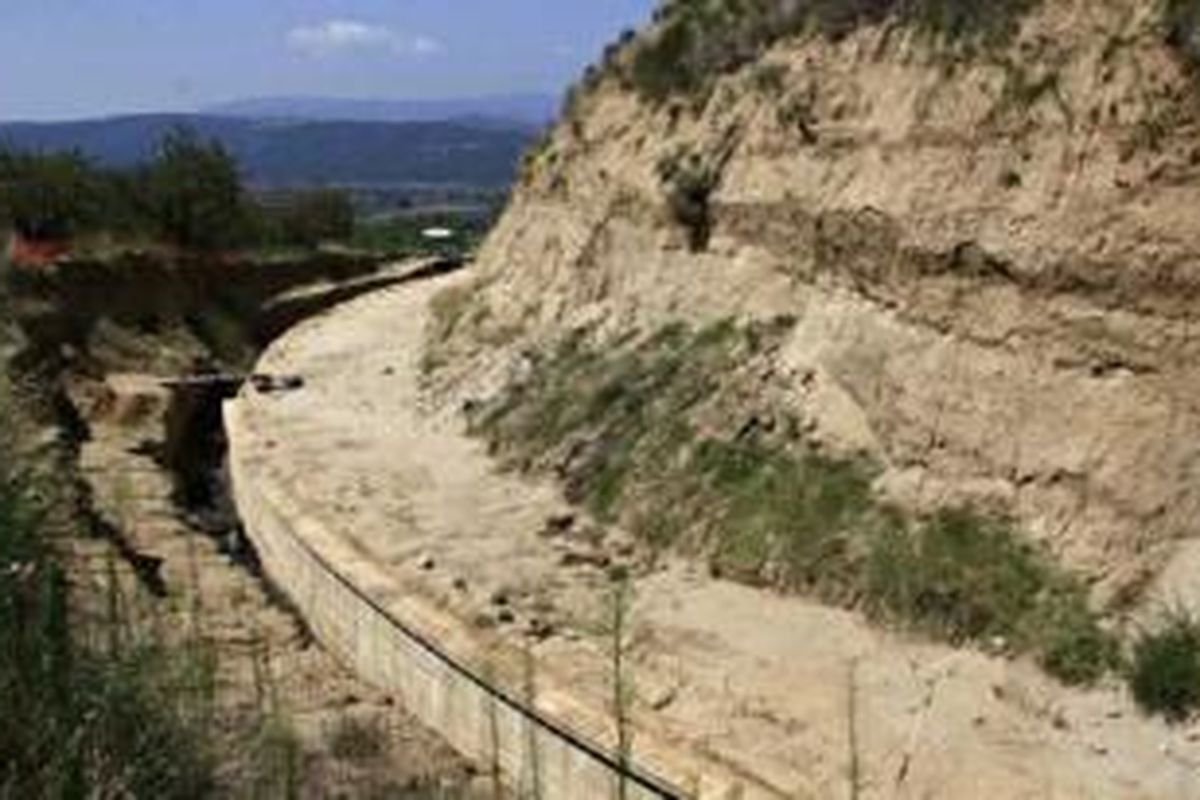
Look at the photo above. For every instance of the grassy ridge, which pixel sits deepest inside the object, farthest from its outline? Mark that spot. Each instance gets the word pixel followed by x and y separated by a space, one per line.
pixel 696 41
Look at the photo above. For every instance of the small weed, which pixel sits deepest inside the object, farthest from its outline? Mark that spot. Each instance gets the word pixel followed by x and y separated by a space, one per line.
pixel 275 755
pixel 1165 671
pixel 1152 132
pixel 540 147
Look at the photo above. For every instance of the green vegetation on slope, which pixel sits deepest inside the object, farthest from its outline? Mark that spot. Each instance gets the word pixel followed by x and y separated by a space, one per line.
pixel 655 433
pixel 694 41
pixel 1165 673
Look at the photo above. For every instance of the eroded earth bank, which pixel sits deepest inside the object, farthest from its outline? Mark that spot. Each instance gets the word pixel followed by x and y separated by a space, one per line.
pixel 848 373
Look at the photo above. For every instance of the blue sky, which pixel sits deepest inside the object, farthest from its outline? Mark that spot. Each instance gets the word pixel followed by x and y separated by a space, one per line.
pixel 76 58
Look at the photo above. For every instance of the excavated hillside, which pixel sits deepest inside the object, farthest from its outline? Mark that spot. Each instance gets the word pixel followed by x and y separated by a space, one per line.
pixel 979 257
pixel 817 421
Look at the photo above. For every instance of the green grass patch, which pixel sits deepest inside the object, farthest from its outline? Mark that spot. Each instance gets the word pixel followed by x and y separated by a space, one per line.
pixel 791 519
pixel 964 577
pixel 653 432
pixel 1165 671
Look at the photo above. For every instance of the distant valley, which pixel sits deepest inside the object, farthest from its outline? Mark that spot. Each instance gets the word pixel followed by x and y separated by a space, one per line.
pixel 521 110
pixel 279 150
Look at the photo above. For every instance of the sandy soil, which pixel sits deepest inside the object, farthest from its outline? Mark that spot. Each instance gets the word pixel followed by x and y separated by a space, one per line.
pixel 804 699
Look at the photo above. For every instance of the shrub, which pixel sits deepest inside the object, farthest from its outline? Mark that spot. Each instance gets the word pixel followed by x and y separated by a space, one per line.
pixel 790 519
pixel 1182 20
pixel 967 577
pixel 690 182
pixel 311 217
pixel 660 68
pixel 49 197
pixel 195 195
pixel 1070 644
pixel 960 574
pixel 990 22
pixel 1165 671
pixel 357 739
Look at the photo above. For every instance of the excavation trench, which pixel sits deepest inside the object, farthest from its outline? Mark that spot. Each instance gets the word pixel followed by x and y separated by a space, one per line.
pixel 133 390
pixel 194 450
pixel 78 320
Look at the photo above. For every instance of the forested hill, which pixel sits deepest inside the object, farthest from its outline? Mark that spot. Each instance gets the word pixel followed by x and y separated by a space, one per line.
pixel 277 153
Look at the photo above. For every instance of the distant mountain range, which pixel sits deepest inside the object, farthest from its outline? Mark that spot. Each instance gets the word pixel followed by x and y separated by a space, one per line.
pixel 525 110
pixel 286 149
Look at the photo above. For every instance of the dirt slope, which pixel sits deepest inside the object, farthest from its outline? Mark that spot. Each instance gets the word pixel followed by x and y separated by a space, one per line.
pixel 992 261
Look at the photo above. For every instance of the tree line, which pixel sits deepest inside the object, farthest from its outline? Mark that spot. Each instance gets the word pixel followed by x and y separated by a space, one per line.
pixel 190 195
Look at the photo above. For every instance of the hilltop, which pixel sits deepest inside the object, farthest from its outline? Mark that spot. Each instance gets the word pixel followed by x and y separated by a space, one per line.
pixel 532 111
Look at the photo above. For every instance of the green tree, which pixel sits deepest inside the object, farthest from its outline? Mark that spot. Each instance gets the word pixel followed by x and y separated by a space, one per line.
pixel 318 215
pixel 195 194
pixel 48 197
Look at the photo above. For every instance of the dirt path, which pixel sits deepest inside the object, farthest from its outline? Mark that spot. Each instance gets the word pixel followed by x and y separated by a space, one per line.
pixel 810 700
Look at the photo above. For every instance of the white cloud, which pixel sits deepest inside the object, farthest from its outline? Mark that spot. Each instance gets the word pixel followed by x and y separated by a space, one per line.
pixel 425 46
pixel 342 35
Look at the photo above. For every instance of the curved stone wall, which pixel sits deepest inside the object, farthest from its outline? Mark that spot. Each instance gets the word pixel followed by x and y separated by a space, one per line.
pixel 536 753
